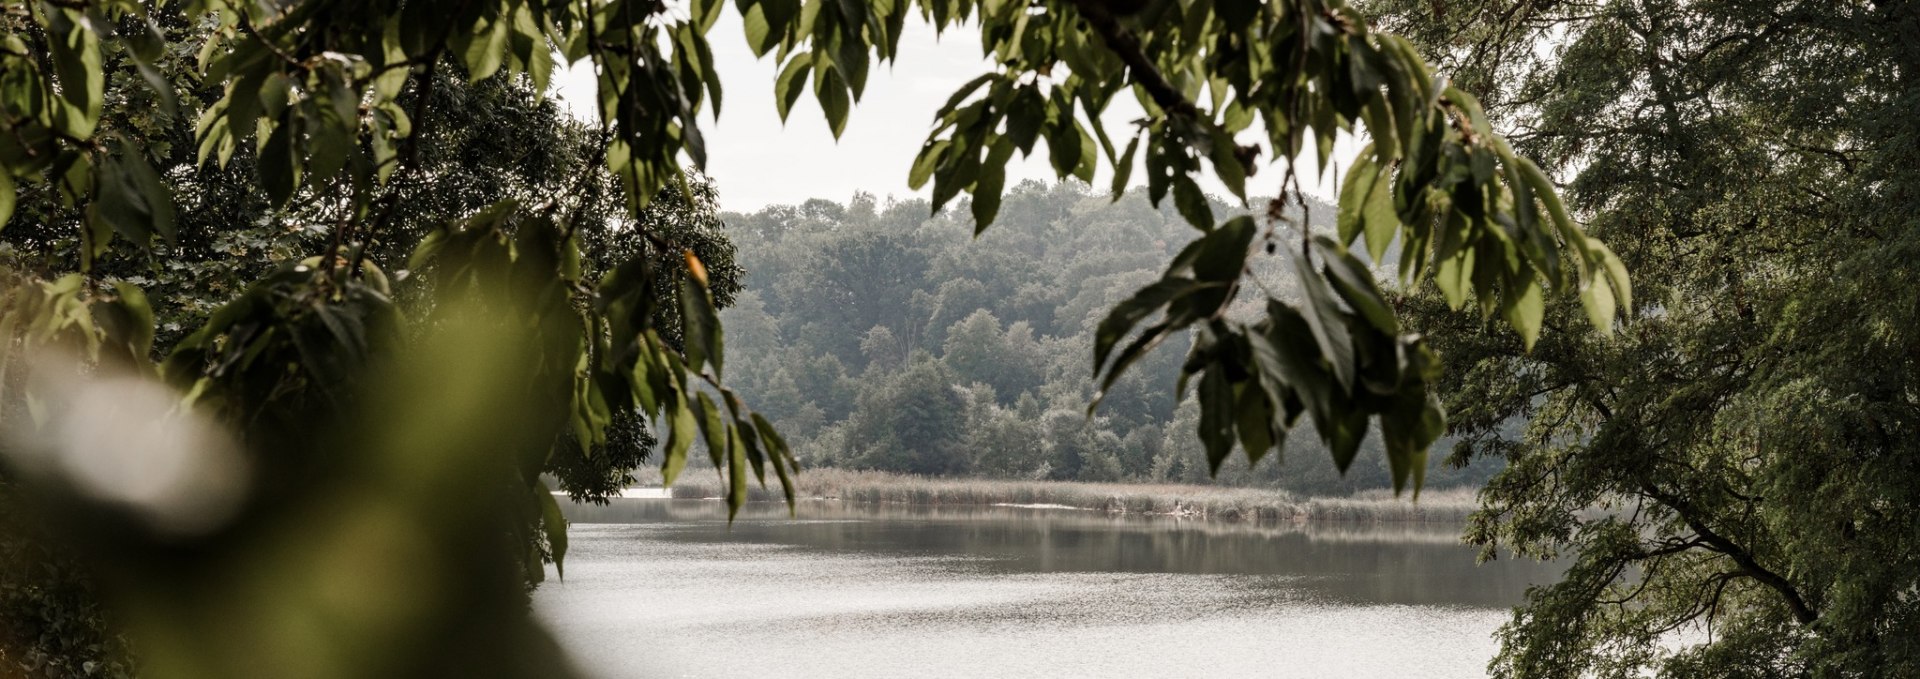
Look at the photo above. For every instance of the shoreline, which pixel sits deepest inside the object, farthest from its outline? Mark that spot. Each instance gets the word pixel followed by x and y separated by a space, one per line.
pixel 1210 503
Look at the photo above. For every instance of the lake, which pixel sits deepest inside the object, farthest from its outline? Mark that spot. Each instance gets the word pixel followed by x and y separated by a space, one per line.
pixel 665 588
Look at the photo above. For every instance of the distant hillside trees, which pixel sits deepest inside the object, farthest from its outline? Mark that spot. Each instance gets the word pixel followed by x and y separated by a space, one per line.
pixel 879 338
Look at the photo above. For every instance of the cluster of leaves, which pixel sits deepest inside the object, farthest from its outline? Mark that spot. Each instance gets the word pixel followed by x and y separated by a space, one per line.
pixel 280 348
pixel 314 97
pixel 54 105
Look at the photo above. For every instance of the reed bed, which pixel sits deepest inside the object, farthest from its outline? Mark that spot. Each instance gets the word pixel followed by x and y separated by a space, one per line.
pixel 1203 502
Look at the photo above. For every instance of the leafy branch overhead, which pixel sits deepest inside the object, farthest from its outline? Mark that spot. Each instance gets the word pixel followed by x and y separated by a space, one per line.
pixel 316 92
pixel 1220 81
pixel 327 103
pixel 1479 221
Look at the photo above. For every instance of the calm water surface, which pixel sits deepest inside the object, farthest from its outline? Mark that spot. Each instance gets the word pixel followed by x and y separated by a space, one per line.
pixel 663 588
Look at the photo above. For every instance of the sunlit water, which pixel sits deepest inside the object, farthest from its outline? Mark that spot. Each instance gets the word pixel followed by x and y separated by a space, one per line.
pixel 663 588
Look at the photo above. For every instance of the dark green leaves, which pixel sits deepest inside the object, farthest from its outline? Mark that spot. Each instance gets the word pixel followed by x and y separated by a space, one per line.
pixel 992 180
pixel 1193 204
pixel 130 198
pixel 1339 357
pixel 74 50
pixel 1217 417
pixel 8 194
pixel 1197 286
pixel 835 98
pixel 1356 286
pixel 704 336
pixel 1366 207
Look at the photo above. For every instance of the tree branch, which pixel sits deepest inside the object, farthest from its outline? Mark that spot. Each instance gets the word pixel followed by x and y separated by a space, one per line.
pixel 1127 47
pixel 1740 556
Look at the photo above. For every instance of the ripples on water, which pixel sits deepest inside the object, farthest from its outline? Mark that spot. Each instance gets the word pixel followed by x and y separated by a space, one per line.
pixel 659 588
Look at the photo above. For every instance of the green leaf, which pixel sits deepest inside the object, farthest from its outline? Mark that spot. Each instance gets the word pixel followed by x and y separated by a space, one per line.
pixel 1343 432
pixel 1355 284
pixel 703 333
pixel 1025 116
pixel 152 192
pixel 680 434
pixel 1353 197
pixel 924 164
pixel 1409 427
pixel 1525 310
pixel 1216 415
pixel 1089 157
pixel 1323 316
pixel 1125 315
pixel 992 180
pixel 712 426
pixel 132 302
pixel 7 198
pixel 1159 172
pixel 737 473
pixel 1123 169
pixel 758 30
pixel 961 94
pixel 1222 254
pixel 279 173
pixel 705 13
pixel 1380 125
pixel 1597 297
pixel 1543 189
pixel 1191 203
pixel 780 455
pixel 1616 273
pixel 1146 342
pixel 1227 166
pixel 118 207
pixel 1254 420
pixel 792 81
pixel 74 50
pixel 1454 277
pixel 485 52
pixel 1063 148
pixel 1381 220
pixel 831 90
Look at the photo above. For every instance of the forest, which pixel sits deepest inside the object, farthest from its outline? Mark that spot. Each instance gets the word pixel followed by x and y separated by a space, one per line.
pixel 972 361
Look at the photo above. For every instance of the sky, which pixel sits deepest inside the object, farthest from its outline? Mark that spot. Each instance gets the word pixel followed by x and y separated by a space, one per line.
pixel 756 161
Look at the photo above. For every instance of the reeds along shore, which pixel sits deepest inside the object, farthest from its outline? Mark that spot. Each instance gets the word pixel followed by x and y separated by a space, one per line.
pixel 1206 502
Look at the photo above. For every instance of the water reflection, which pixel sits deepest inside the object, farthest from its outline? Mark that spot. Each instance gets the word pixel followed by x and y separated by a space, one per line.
pixel 667 588
pixel 1419 564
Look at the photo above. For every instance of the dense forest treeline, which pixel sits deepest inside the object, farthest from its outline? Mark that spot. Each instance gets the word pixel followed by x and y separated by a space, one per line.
pixel 880 338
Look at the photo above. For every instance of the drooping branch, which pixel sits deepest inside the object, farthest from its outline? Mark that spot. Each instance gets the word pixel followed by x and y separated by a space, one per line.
pixel 1128 48
pixel 1741 556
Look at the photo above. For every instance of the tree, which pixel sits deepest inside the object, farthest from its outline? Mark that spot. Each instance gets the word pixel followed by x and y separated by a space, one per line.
pixel 1750 436
pixel 319 91
pixel 845 288
pixel 911 421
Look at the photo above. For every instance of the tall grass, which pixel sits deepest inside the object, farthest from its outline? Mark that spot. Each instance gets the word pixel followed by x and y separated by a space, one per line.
pixel 1205 502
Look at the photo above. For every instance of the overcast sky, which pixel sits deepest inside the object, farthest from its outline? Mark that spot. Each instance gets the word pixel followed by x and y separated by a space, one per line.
pixel 756 161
